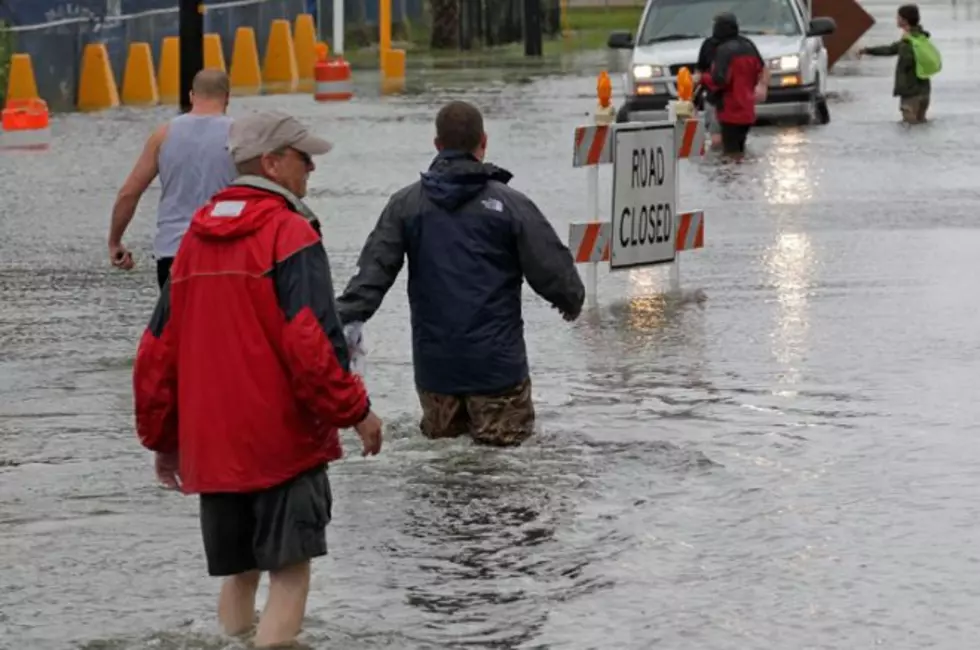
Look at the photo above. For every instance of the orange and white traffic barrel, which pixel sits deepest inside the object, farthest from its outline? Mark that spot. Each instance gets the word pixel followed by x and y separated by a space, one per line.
pixel 24 124
pixel 332 82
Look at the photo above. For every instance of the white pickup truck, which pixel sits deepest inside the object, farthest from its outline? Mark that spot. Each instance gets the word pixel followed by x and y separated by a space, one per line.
pixel 670 35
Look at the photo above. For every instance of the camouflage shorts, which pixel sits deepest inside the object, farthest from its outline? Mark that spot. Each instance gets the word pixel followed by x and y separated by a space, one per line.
pixel 501 419
pixel 914 108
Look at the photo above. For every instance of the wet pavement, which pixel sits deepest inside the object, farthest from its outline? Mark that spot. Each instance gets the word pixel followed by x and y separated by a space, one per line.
pixel 790 464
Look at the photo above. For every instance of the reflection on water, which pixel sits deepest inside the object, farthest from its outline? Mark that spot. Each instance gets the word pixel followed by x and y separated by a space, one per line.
pixel 789 263
pixel 646 313
pixel 646 281
pixel 787 180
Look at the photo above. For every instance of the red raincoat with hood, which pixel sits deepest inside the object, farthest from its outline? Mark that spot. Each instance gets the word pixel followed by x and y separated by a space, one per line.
pixel 244 369
pixel 734 74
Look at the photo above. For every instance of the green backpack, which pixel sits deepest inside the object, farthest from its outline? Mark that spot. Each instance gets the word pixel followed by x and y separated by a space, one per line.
pixel 928 62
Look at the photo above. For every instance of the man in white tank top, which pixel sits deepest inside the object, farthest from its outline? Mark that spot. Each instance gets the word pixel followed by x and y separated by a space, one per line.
pixel 190 155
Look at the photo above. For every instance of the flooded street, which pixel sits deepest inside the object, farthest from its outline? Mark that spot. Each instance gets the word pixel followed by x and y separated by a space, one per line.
pixel 791 464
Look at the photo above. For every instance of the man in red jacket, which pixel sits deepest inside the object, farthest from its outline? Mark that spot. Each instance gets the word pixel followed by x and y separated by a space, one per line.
pixel 242 378
pixel 737 70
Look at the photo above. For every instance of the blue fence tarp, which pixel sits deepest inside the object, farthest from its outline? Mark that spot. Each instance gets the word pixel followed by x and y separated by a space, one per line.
pixel 36 12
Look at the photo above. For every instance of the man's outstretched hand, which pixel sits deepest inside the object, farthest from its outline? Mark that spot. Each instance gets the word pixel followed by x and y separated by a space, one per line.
pixel 369 429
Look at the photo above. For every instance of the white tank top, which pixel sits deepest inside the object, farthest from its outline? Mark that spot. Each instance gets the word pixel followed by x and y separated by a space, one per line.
pixel 194 165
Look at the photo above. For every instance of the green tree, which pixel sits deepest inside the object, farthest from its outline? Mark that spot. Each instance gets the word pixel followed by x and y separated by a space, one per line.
pixel 6 52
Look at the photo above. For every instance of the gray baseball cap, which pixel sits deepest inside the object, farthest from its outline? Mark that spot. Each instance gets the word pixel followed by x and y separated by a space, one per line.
pixel 260 133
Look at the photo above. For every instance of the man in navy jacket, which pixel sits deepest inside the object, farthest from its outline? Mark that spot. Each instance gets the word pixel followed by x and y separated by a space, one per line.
pixel 470 241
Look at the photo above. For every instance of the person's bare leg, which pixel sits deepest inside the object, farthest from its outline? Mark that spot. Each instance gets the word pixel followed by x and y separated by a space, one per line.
pixel 236 603
pixel 282 618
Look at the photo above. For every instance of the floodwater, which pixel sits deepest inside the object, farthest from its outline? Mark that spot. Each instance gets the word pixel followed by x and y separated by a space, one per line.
pixel 790 464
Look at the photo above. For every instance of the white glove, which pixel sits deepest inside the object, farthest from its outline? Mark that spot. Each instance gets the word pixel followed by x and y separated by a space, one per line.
pixel 354 333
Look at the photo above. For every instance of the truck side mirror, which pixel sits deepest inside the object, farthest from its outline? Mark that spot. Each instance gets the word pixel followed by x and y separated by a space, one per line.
pixel 620 41
pixel 822 27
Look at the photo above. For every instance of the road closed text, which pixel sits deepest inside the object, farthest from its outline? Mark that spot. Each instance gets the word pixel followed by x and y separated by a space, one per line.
pixel 646 223
pixel 644 205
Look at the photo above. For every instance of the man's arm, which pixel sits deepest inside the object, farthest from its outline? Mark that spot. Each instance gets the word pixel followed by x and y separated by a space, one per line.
pixel 546 262
pixel 378 266
pixel 155 380
pixel 143 173
pixel 313 341
pixel 881 50
pixel 765 76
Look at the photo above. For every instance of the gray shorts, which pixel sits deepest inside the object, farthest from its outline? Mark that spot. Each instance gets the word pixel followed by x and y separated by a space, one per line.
pixel 267 530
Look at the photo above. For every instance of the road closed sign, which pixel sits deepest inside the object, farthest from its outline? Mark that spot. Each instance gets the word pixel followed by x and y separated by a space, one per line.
pixel 644 202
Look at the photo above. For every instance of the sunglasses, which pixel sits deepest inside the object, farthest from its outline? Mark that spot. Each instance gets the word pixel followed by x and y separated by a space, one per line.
pixel 305 157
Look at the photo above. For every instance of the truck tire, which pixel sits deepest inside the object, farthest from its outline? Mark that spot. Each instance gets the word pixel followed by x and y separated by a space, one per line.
pixel 823 111
pixel 817 112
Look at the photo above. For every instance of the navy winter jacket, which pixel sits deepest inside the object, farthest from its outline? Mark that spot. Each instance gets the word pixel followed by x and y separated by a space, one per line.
pixel 470 242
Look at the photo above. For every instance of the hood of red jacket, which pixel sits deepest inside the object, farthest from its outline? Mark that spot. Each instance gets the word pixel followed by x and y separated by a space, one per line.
pixel 236 212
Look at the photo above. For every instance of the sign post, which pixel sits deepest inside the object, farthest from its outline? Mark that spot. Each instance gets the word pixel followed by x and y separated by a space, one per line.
pixel 605 115
pixel 338 28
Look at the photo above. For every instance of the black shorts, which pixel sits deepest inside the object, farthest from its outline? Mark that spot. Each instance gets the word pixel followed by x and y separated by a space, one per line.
pixel 267 530
pixel 733 137
pixel 163 270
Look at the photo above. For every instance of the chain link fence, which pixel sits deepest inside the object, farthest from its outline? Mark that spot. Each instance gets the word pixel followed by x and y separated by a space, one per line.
pixel 56 47
pixel 470 24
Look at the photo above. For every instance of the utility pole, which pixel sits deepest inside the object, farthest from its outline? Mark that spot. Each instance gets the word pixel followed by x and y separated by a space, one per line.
pixel 191 47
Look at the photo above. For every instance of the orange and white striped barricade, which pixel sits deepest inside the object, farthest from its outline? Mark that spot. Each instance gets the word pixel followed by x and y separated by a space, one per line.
pixel 590 242
pixel 605 117
pixel 332 81
pixel 593 143
pixel 646 227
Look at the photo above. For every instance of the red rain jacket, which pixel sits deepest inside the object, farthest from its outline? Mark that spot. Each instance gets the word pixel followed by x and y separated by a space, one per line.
pixel 243 368
pixel 733 78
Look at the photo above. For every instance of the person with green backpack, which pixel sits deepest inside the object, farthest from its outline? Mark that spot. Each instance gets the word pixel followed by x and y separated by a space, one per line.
pixel 918 62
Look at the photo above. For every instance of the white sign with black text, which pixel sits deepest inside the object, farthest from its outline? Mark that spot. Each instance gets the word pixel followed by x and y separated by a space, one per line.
pixel 644 201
